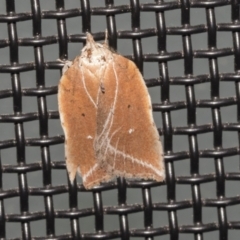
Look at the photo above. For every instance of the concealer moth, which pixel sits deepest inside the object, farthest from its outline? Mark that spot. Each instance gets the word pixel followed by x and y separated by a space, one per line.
pixel 106 114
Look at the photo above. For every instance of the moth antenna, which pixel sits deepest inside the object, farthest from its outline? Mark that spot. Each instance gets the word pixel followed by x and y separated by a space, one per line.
pixel 106 38
pixel 89 37
pixel 90 43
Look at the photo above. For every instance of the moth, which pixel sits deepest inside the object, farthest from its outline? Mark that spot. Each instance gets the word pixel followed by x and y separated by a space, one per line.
pixel 106 115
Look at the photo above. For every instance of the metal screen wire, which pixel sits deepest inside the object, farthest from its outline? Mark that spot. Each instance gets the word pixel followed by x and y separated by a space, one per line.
pixel 189 54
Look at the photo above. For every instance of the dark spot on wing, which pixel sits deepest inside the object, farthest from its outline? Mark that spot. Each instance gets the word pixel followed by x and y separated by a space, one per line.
pixel 83 114
pixel 102 88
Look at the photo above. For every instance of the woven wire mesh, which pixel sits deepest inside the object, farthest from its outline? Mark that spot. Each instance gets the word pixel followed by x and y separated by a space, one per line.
pixel 162 210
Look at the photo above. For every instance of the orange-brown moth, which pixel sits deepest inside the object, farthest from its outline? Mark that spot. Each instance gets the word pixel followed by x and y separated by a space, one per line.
pixel 106 115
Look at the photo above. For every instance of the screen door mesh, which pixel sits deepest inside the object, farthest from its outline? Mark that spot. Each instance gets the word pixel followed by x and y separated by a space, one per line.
pixel 196 104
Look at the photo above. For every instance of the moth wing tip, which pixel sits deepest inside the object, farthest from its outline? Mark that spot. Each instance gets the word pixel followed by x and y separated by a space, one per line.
pixel 72 170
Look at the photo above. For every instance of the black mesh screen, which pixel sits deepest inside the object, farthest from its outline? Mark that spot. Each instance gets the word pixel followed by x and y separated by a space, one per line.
pixel 189 53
